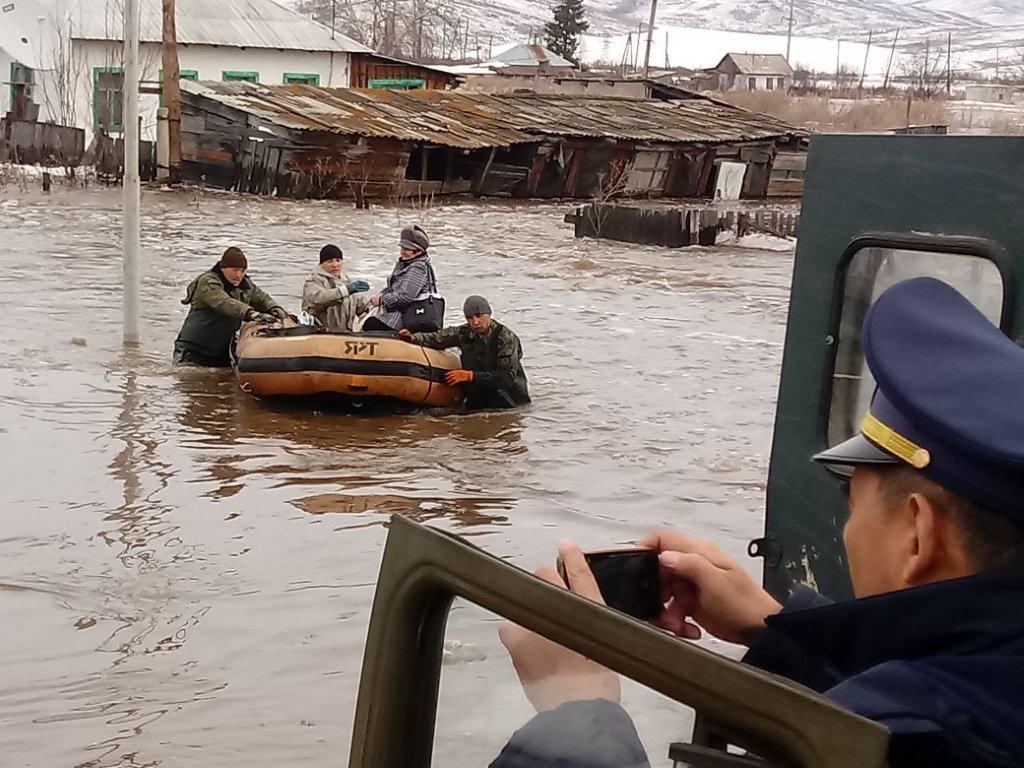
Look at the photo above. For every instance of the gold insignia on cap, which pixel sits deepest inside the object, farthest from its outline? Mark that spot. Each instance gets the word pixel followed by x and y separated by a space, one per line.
pixel 888 439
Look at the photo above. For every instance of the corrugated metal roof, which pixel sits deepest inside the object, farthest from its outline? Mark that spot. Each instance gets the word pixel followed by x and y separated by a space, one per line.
pixel 759 63
pixel 475 120
pixel 530 56
pixel 235 23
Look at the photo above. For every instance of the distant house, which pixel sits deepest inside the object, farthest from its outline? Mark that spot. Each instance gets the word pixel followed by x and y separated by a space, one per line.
pixel 523 59
pixel 750 72
pixel 256 41
pixel 995 93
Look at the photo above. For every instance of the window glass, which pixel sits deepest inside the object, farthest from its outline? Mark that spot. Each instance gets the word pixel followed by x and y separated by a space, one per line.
pixel 481 702
pixel 302 78
pixel 108 99
pixel 870 273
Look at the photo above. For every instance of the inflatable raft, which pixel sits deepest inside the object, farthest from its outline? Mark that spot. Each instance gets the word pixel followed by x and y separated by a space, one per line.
pixel 298 361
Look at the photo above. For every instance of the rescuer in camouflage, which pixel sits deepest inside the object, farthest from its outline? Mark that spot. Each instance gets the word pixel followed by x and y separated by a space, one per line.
pixel 218 301
pixel 491 375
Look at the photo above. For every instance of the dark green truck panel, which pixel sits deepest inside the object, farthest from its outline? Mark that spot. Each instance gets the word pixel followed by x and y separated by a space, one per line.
pixel 946 194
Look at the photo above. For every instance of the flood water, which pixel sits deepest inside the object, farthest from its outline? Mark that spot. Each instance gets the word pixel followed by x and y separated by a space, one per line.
pixel 186 574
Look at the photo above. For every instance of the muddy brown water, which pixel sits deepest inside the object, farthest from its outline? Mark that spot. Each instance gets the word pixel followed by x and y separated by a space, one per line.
pixel 186 574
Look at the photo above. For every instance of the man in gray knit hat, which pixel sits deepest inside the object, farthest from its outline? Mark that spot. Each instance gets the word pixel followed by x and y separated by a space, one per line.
pixel 491 375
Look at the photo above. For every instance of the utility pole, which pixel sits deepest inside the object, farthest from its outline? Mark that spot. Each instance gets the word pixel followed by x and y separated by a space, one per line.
pixel 867 51
pixel 888 67
pixel 627 53
pixel 132 194
pixel 650 37
pixel 949 64
pixel 789 34
pixel 667 64
pixel 839 48
pixel 172 92
pixel 636 51
pixel 997 65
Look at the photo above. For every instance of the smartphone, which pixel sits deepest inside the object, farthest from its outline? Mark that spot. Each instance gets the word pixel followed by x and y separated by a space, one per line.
pixel 629 580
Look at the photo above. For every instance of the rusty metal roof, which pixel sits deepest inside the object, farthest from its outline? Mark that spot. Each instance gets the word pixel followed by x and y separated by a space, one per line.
pixel 476 120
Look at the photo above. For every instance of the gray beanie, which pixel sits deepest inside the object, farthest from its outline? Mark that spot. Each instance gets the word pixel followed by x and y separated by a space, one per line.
pixel 414 237
pixel 476 305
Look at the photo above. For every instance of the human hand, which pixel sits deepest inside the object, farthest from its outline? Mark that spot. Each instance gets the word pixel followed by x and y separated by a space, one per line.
pixel 704 586
pixel 259 317
pixel 406 335
pixel 357 286
pixel 279 313
pixel 458 376
pixel 375 301
pixel 550 674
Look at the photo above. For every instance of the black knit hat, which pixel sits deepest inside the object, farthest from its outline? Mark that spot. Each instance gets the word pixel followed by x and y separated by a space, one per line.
pixel 233 258
pixel 329 252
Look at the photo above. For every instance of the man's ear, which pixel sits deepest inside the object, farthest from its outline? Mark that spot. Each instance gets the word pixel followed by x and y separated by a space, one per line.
pixel 937 551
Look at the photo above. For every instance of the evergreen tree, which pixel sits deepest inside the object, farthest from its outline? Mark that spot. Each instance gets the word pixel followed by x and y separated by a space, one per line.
pixel 562 34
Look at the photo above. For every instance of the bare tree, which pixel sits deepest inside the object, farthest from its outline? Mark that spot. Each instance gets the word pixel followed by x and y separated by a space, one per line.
pixel 60 90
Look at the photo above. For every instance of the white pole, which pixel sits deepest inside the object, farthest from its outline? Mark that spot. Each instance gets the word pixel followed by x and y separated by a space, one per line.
pixel 132 202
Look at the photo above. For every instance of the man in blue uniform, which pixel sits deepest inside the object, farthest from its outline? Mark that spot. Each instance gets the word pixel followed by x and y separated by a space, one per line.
pixel 933 646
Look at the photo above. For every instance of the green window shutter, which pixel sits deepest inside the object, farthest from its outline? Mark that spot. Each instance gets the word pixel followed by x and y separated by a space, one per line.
pixel 108 99
pixel 232 76
pixel 302 78
pixel 189 74
pixel 397 83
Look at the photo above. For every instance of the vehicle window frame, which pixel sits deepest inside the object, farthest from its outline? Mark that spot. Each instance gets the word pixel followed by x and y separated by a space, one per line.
pixel 937 244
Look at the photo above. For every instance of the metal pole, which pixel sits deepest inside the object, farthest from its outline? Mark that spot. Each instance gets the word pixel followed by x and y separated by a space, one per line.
pixel 334 17
pixel 650 36
pixel 132 202
pixel 789 34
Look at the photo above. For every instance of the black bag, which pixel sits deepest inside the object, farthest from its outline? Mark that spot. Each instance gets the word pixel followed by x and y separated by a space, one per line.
pixel 425 314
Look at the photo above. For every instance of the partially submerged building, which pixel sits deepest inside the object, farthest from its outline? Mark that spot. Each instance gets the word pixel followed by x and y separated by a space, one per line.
pixel 307 141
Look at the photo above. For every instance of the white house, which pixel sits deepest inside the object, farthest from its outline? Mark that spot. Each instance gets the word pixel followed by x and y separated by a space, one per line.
pixel 253 40
pixel 751 72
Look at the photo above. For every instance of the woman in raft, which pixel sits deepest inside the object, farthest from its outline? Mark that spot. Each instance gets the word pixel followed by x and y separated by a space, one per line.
pixel 330 296
pixel 411 282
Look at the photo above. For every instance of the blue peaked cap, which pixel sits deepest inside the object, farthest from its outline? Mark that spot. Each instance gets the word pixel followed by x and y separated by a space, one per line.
pixel 949 399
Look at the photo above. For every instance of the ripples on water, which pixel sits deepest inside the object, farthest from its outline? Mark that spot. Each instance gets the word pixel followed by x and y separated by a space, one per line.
pixel 186 574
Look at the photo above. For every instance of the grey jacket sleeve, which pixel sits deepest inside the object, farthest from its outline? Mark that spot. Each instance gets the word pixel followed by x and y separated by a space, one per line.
pixel 317 297
pixel 409 285
pixel 579 734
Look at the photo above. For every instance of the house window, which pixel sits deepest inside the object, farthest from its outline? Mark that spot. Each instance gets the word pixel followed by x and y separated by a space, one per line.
pixel 752 83
pixel 108 99
pixel 301 78
pixel 397 83
pixel 782 83
pixel 230 76
pixel 769 83
pixel 183 74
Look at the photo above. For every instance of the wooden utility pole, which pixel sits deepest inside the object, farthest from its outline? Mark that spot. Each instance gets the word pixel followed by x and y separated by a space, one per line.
pixel 172 92
pixel 888 67
pixel 627 54
pixel 667 64
pixel 789 34
pixel 650 38
pixel 926 75
pixel 867 51
pixel 839 48
pixel 636 51
pixel 949 64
